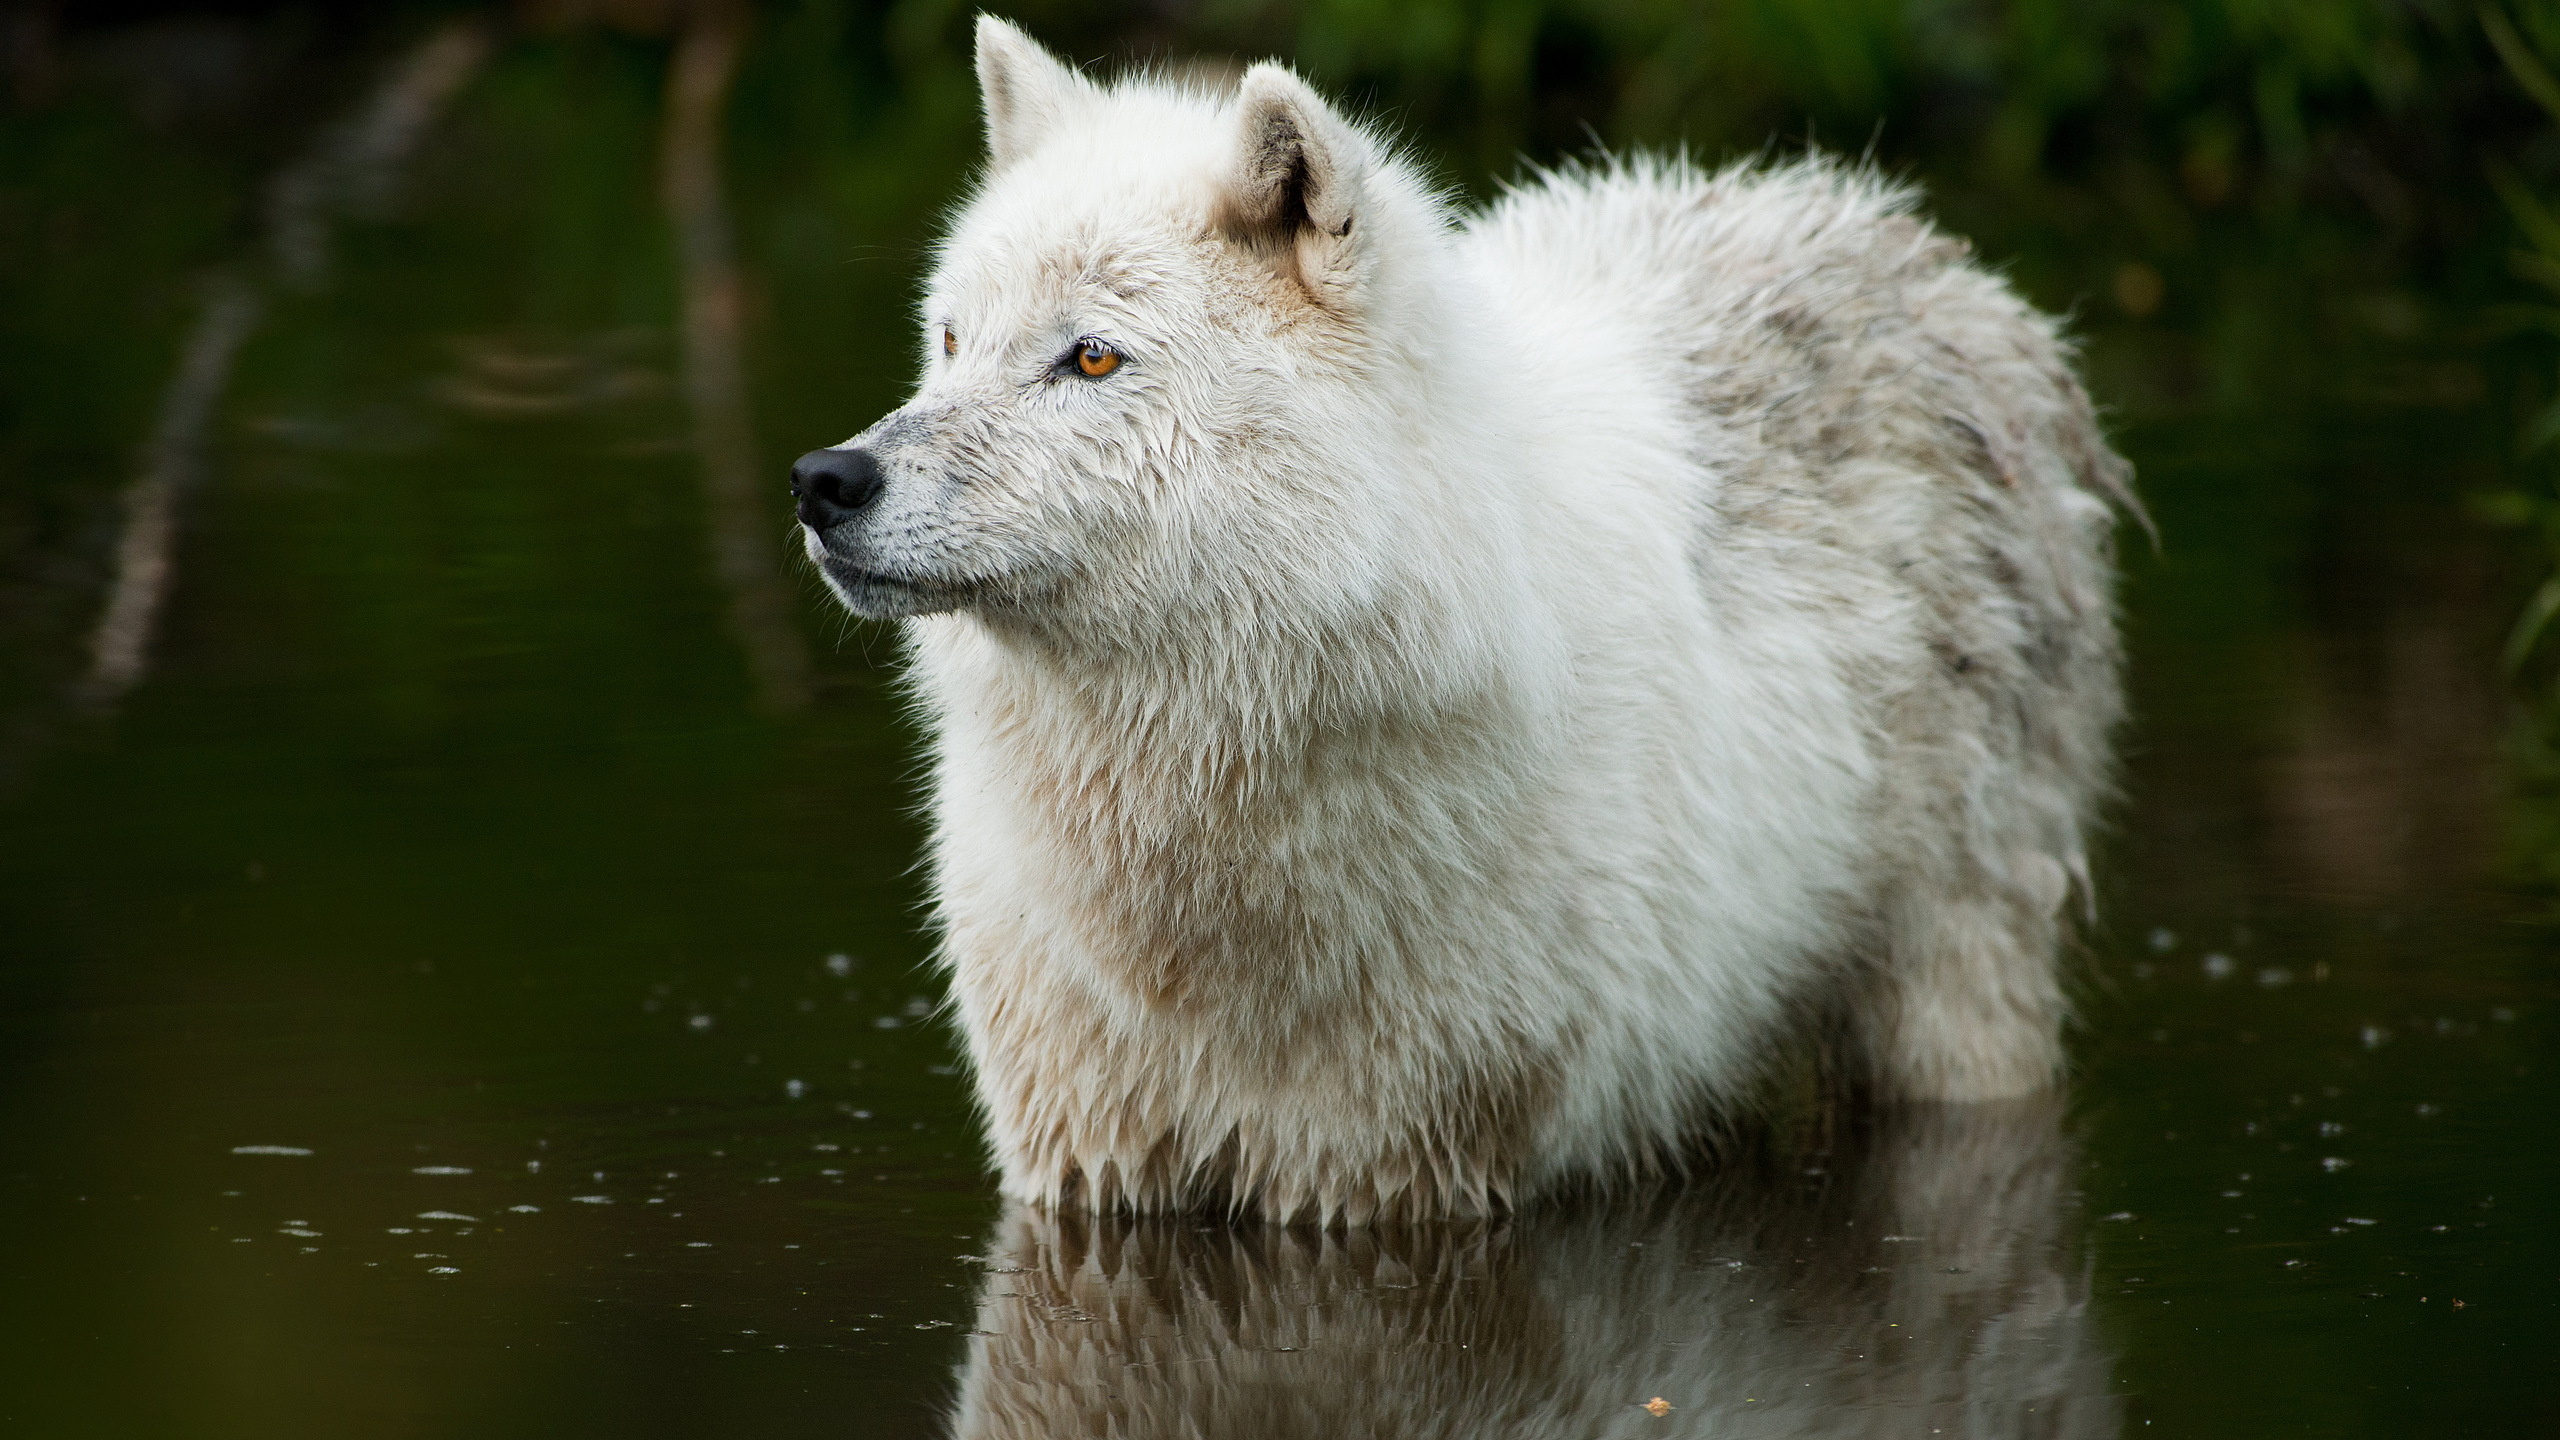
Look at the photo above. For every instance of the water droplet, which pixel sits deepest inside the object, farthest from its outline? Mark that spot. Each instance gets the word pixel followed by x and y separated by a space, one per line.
pixel 699 1022
pixel 2164 939
pixel 2218 966
pixel 440 1170
pixel 839 965
pixel 795 1089
pixel 592 1199
pixel 524 1209
pixel 269 1150
pixel 2334 1164
pixel 447 1215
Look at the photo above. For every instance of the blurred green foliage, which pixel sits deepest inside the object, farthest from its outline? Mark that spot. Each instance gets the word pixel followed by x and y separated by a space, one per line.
pixel 2534 501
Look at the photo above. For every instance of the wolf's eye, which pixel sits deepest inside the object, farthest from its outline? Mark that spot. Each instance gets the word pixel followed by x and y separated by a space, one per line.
pixel 950 342
pixel 1095 358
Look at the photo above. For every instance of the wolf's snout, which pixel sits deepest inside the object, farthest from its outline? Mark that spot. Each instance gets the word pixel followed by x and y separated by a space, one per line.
pixel 834 486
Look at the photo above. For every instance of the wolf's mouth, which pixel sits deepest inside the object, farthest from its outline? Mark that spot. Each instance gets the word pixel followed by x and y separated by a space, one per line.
pixel 882 595
pixel 856 575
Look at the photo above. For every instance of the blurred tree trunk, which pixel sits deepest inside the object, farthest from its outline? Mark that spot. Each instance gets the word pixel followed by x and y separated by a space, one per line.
pixel 742 523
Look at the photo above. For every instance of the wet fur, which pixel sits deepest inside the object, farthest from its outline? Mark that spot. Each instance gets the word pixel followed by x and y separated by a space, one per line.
pixel 1473 697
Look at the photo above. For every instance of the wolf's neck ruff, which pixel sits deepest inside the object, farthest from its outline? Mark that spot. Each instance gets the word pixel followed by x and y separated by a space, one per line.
pixel 1197 816
pixel 1375 780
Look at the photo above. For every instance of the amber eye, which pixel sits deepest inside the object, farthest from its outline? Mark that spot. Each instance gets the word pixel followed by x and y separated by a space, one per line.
pixel 950 342
pixel 1095 359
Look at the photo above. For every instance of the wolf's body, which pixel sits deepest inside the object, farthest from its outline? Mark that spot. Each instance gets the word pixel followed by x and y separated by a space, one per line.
pixel 1465 702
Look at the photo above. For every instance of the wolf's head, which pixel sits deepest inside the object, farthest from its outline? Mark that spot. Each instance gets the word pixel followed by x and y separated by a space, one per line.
pixel 1163 353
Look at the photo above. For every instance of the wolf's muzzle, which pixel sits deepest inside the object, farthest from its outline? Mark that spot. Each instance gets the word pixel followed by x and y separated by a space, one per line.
pixel 834 486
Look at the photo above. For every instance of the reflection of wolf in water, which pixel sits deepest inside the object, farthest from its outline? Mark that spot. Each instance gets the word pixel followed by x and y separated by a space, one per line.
pixel 1928 1280
pixel 1429 709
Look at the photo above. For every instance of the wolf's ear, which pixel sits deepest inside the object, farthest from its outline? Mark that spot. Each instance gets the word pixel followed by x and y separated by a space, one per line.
pixel 1026 92
pixel 1299 183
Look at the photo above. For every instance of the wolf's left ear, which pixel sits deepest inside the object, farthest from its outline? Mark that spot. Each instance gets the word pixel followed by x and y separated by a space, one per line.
pixel 1299 185
pixel 1024 89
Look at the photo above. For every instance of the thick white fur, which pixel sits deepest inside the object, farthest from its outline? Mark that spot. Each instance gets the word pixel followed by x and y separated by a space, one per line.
pixel 1470 698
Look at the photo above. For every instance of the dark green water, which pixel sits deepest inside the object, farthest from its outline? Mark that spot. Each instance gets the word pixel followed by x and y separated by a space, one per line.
pixel 444 842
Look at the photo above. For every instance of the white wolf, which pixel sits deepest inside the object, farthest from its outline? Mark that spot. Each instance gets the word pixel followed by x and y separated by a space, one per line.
pixel 1427 708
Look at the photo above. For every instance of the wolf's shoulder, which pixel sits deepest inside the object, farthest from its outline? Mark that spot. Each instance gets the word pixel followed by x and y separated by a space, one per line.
pixel 1661 231
pixel 1883 426
pixel 1805 308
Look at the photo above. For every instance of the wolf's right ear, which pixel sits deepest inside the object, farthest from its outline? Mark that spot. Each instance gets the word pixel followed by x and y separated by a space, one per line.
pixel 1024 90
pixel 1299 185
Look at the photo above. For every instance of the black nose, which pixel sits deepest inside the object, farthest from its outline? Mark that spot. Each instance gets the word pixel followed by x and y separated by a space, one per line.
pixel 834 486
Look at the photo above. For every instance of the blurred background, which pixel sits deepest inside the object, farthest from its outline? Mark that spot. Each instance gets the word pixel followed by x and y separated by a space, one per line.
pixel 459 957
